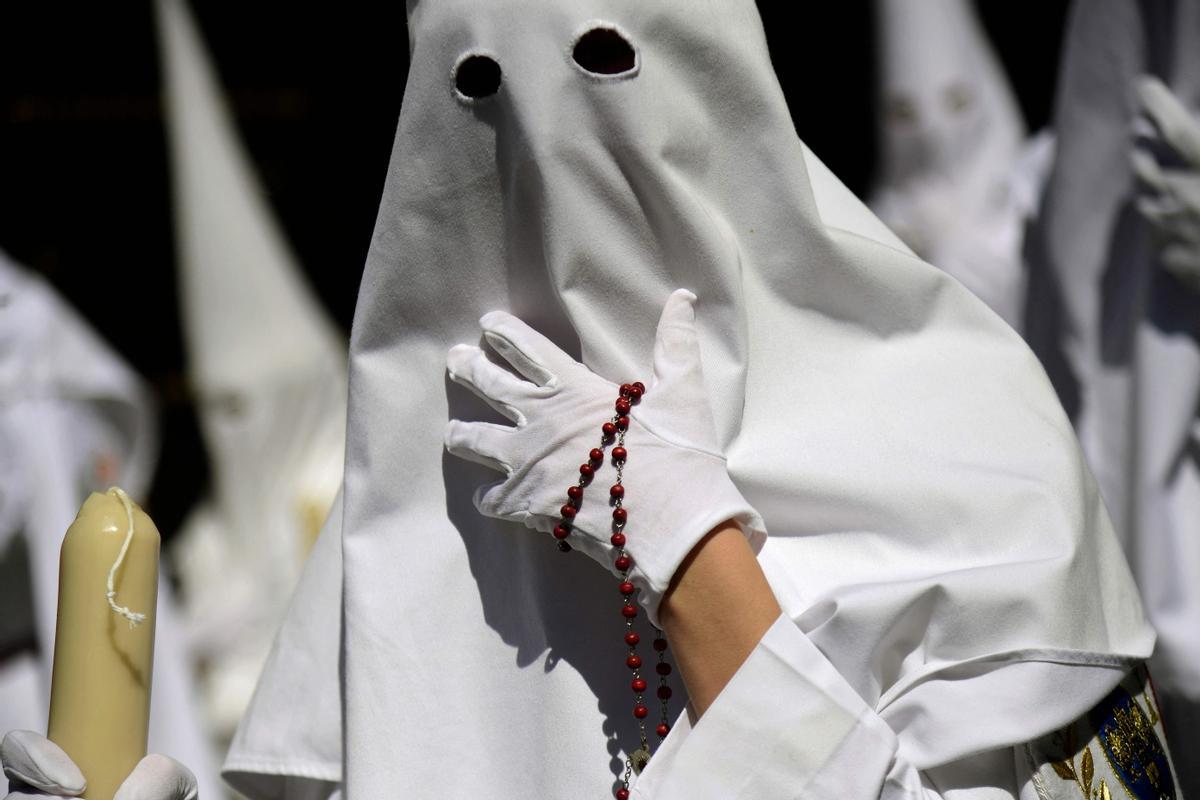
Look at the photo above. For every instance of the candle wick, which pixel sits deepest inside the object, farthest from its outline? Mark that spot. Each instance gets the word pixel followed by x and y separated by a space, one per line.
pixel 134 617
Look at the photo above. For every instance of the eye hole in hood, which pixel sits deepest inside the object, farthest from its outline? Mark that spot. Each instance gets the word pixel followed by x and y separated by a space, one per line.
pixel 477 76
pixel 602 50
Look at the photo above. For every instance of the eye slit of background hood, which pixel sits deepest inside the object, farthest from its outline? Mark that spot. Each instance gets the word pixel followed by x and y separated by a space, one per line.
pixel 958 97
pixel 901 110
pixel 477 77
pixel 603 51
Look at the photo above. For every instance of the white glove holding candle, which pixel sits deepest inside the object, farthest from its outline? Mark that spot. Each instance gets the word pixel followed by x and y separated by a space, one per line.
pixel 38 768
pixel 676 487
pixel 1171 197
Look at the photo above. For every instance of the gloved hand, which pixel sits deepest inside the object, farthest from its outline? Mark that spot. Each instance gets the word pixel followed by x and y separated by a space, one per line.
pixel 676 485
pixel 38 768
pixel 1170 198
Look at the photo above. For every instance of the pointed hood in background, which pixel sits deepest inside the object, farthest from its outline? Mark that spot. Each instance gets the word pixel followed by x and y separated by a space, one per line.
pixel 269 371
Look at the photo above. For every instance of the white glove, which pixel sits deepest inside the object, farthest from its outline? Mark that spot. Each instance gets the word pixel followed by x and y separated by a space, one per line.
pixel 38 768
pixel 1170 200
pixel 676 485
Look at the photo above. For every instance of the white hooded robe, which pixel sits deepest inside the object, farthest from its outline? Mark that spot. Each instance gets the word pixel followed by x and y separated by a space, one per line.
pixel 950 582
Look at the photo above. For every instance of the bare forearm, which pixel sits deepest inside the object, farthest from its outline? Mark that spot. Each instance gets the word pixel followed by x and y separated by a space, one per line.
pixel 716 611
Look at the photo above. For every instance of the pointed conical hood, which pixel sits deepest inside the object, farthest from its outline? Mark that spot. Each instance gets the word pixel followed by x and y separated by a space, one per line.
pixel 246 308
pixel 269 370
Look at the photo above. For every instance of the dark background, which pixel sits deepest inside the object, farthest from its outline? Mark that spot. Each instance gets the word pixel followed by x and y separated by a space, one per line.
pixel 84 193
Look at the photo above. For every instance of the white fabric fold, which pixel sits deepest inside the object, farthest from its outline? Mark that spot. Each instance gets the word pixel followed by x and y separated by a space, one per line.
pixel 789 725
pixel 289 743
pixel 1116 329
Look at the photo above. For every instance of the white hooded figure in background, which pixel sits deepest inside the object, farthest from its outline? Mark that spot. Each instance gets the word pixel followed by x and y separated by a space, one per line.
pixel 953 598
pixel 1115 320
pixel 959 178
pixel 269 371
pixel 73 419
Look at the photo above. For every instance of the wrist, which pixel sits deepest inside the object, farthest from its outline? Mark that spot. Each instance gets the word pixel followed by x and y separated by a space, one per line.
pixel 677 497
pixel 716 610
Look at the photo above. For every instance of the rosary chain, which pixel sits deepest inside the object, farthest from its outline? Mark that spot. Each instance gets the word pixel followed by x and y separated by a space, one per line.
pixel 614 433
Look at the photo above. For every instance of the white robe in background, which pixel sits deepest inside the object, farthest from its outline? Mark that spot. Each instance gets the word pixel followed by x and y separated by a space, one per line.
pixel 73 419
pixel 1120 336
pixel 950 582
pixel 269 369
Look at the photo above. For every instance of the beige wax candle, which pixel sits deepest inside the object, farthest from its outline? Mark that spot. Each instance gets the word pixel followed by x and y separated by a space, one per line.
pixel 104 645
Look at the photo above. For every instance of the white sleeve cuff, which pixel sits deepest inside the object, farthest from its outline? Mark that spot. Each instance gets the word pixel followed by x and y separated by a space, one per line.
pixel 787 725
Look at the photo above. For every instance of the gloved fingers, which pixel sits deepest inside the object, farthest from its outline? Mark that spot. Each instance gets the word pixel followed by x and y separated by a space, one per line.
pixel 530 353
pixel 1163 213
pixel 1183 185
pixel 482 442
pixel 157 777
pixel 1147 170
pixel 490 500
pixel 31 759
pixel 1173 120
pixel 676 346
pixel 496 386
pixel 1183 261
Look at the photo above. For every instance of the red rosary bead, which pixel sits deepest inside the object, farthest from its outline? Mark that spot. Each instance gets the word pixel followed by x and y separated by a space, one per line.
pixel 630 393
pixel 622 794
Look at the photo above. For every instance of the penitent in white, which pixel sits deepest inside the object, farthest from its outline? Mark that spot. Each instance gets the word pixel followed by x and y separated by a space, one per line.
pixel 935 540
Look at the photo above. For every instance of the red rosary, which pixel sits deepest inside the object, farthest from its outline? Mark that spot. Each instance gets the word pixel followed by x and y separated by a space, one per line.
pixel 614 431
